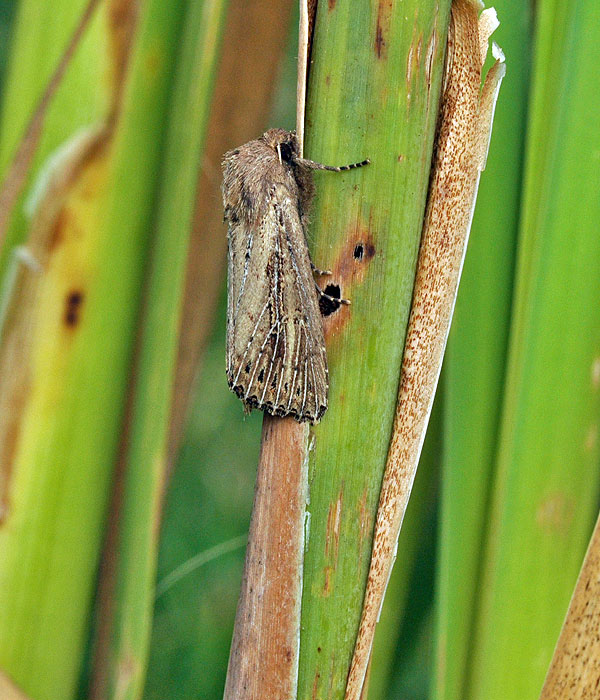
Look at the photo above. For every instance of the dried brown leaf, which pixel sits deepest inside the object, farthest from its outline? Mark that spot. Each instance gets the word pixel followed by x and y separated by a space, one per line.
pixel 8 690
pixel 574 672
pixel 264 652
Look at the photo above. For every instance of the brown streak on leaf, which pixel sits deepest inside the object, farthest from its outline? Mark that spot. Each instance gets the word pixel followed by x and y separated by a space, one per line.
pixel 57 237
pixel 430 53
pixel 365 521
pixel 122 21
pixel 413 63
pixel 8 451
pixel 382 28
pixel 315 687
pixel 327 571
pixel 332 533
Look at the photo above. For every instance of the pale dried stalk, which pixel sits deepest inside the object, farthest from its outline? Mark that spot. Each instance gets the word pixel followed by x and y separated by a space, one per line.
pixel 303 49
pixel 460 153
pixel 308 11
pixel 8 690
pixel 264 653
pixel 574 672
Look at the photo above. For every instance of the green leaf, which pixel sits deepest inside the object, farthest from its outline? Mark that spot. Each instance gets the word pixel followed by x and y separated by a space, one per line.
pixel 546 488
pixel 145 457
pixel 475 363
pixel 78 358
pixel 373 92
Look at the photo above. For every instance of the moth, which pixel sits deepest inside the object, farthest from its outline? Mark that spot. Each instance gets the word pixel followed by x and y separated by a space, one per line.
pixel 276 357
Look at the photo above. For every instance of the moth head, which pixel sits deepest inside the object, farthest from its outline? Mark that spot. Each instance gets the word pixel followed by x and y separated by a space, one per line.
pixel 284 143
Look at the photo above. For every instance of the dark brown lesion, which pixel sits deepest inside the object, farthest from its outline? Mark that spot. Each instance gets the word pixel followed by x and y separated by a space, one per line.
pixel 73 304
pixel 382 29
pixel 330 299
pixel 363 251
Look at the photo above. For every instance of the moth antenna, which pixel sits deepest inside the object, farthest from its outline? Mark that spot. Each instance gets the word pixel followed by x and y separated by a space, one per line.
pixel 279 152
pixel 332 168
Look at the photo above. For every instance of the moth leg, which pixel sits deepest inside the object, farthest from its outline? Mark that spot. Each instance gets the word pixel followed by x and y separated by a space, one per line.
pixel 335 300
pixel 316 270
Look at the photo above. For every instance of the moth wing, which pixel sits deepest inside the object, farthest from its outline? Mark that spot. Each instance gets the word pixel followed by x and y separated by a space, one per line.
pixel 276 358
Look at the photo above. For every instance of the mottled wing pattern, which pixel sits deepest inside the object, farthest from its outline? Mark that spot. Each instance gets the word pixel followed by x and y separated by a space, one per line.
pixel 276 357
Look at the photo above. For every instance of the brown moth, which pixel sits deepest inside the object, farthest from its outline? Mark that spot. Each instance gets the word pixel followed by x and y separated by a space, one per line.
pixel 276 357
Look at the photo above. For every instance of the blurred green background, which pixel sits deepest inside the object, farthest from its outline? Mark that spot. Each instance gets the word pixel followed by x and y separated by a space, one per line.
pixel 507 490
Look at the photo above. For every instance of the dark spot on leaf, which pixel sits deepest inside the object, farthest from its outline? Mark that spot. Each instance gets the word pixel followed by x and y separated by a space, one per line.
pixel 73 307
pixel 328 305
pixel 382 28
pixel 358 251
pixel 379 41
pixel 369 251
